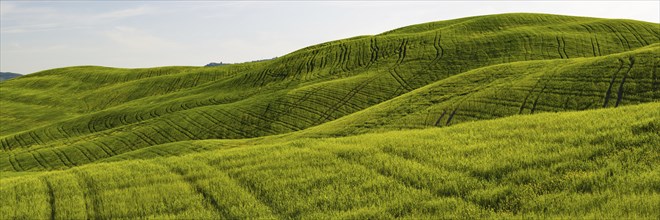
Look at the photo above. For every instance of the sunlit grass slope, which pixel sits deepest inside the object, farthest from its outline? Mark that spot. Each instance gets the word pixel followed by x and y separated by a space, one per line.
pixel 257 139
pixel 590 164
pixel 514 88
pixel 435 74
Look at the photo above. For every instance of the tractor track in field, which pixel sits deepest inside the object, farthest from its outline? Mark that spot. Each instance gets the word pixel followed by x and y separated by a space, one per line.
pixel 21 139
pixel 127 144
pixel 528 47
pixel 559 48
pixel 51 198
pixel 39 162
pixel 231 116
pixel 345 58
pixel 619 96
pixel 180 129
pixel 92 201
pixel 619 36
pixel 49 135
pixel 66 161
pixel 98 144
pixel 373 169
pixel 451 116
pixel 14 163
pixel 186 119
pixel 593 47
pixel 395 74
pixel 437 122
pixel 290 107
pixel 536 101
pixel 374 51
pixel 4 143
pixel 269 121
pixel 598 46
pixel 338 58
pixel 36 139
pixel 145 138
pixel 159 131
pixel 344 100
pixel 219 123
pixel 250 189
pixel 324 93
pixel 522 106
pixel 423 164
pixel 317 92
pixel 82 151
pixel 439 51
pixel 609 88
pixel 592 39
pixel 655 83
pixel 465 96
pixel 107 149
pixel 260 78
pixel 635 34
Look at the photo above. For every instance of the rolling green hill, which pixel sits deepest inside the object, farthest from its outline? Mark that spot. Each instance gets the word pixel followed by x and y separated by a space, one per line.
pixel 591 164
pixel 242 140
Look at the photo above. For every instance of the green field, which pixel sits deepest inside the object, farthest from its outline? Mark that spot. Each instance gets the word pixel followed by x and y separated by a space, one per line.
pixel 498 116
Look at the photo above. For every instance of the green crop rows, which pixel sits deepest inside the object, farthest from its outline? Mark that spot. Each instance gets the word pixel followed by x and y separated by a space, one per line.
pixel 345 129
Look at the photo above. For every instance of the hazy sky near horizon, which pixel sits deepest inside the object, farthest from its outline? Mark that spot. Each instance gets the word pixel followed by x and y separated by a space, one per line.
pixel 39 35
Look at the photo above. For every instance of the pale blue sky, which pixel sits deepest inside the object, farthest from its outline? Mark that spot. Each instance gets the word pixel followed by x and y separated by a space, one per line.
pixel 41 35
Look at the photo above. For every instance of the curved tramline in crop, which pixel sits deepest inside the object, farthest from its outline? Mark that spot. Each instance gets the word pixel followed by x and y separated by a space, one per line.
pixel 205 193
pixel 393 70
pixel 14 163
pixel 439 51
pixel 619 36
pixel 182 130
pixel 528 51
pixel 538 96
pixel 619 96
pixel 437 122
pixel 373 46
pixel 39 159
pixel 655 82
pixel 522 106
pixel 268 121
pixel 218 123
pixel 561 48
pixel 332 94
pixel 345 57
pixel 51 198
pixel 344 100
pixel 609 88
pixel 90 194
pixel 86 153
pixel 635 34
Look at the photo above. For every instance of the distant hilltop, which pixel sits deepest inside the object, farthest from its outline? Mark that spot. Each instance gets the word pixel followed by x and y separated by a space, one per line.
pixel 7 75
pixel 223 64
pixel 216 64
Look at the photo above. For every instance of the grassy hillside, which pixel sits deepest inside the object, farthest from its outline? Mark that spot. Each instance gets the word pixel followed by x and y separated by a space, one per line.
pixel 514 88
pixel 67 117
pixel 593 164
pixel 70 125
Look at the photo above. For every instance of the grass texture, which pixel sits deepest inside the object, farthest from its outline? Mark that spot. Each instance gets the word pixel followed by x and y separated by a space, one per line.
pixel 590 164
pixel 398 124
